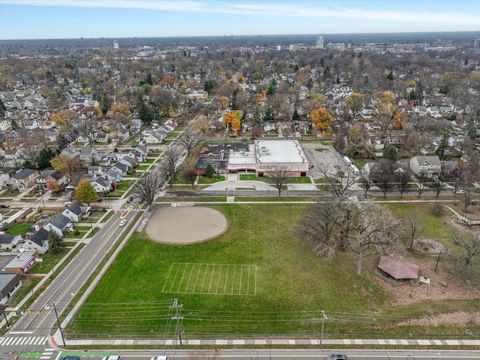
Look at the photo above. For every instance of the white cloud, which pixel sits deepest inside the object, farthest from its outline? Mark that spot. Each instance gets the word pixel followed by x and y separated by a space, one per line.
pixel 282 9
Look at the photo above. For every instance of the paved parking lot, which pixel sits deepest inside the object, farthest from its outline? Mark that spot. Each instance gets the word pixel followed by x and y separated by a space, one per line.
pixel 326 160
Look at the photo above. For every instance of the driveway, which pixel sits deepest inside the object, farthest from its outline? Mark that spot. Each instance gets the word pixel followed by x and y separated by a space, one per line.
pixel 326 160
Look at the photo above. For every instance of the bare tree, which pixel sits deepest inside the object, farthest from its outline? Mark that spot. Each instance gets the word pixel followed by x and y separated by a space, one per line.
pixel 169 163
pixel 383 175
pixel 320 225
pixel 470 250
pixel 374 230
pixel 279 176
pixel 340 181
pixel 413 228
pixel 367 182
pixel 148 187
pixel 189 140
pixel 403 179
pixel 421 184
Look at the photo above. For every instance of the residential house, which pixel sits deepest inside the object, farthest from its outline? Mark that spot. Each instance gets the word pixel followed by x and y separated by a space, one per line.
pixel 102 137
pixel 51 179
pixel 108 160
pixel 101 185
pixel 9 242
pixel 136 125
pixel 425 165
pixel 9 284
pixel 152 136
pixel 95 170
pixel 31 124
pixel 129 161
pixel 89 154
pixel 24 179
pixel 121 133
pixel 112 176
pixel 37 242
pixel 121 168
pixel 60 224
pixel 76 212
pixel 4 180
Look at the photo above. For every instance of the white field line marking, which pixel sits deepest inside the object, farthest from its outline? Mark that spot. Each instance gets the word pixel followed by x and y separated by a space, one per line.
pixel 241 274
pixel 196 280
pixel 168 277
pixel 233 281
pixel 248 281
pixel 173 282
pixel 204 278
pixel 255 291
pixel 226 280
pixel 190 278
pixel 211 278
pixel 219 278
pixel 183 275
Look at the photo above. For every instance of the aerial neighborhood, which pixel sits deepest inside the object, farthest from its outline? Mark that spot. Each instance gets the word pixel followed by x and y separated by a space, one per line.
pixel 311 181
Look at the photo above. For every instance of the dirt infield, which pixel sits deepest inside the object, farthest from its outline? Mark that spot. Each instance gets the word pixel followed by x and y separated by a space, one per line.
pixel 185 225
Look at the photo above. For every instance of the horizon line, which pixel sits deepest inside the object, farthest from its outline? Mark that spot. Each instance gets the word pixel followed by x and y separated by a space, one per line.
pixel 242 35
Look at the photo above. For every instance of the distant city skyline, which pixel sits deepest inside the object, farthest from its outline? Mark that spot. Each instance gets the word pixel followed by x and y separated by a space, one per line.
pixel 47 19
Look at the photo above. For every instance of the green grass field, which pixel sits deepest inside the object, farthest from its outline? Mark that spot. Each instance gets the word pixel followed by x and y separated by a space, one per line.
pixel 282 287
pixel 19 229
pixel 290 180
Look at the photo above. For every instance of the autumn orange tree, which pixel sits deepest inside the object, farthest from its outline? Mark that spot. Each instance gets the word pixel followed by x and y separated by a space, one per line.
pixel 322 118
pixel 121 108
pixel 399 119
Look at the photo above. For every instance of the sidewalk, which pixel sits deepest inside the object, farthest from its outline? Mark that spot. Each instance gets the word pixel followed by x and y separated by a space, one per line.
pixel 56 340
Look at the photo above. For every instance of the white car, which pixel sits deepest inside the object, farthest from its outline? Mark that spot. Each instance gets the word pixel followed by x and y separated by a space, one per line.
pixel 111 357
pixel 159 358
pixel 122 223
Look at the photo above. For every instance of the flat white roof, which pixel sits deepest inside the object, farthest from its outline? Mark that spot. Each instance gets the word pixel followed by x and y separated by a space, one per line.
pixel 239 158
pixel 279 151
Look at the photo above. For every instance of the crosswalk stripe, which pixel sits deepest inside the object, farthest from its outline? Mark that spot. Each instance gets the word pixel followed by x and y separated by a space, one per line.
pixel 2 340
pixel 38 341
pixel 30 340
pixel 22 340
pixel 15 341
pixel 8 341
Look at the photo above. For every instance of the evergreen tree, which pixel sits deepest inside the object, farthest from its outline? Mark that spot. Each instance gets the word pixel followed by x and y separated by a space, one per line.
pixel 55 242
pixel 272 87
pixel 145 113
pixel 105 102
pixel 3 109
pixel 390 153
pixel 442 147
pixel 149 79
pixel 268 114
pixel 295 115
pixel 257 117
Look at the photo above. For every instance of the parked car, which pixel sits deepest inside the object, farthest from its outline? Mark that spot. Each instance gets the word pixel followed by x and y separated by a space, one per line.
pixel 111 357
pixel 70 357
pixel 337 357
pixel 159 358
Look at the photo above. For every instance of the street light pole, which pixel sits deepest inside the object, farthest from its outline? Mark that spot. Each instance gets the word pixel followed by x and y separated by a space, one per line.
pixel 324 317
pixel 59 324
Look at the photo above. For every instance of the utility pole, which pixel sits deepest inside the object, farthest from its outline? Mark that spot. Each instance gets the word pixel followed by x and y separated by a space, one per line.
pixel 324 317
pixel 59 324
pixel 2 309
pixel 178 318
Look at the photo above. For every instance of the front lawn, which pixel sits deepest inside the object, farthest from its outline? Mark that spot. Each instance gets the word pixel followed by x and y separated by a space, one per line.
pixel 212 180
pixel 143 167
pixel 19 229
pixel 49 260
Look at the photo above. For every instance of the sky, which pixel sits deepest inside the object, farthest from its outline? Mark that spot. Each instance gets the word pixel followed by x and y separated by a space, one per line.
pixel 46 19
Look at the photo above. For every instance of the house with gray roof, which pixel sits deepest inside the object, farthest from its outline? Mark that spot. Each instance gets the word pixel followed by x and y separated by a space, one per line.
pixel 428 166
pixel 24 179
pixel 9 283
pixel 60 224
pixel 37 242
pixel 9 242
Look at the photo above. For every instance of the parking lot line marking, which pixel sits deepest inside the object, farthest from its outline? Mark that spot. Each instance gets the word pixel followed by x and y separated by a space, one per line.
pixel 168 277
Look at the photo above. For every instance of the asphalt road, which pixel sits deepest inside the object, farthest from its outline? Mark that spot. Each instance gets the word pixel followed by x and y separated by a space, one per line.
pixel 40 318
pixel 294 354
